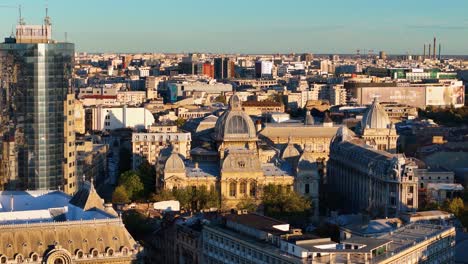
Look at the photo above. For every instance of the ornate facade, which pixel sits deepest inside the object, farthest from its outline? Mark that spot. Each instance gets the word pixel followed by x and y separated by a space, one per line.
pixel 54 228
pixel 372 180
pixel 377 129
pixel 240 169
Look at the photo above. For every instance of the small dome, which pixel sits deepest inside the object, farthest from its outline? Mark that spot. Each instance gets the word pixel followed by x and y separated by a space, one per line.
pixel 375 117
pixel 290 151
pixel 235 124
pixel 174 163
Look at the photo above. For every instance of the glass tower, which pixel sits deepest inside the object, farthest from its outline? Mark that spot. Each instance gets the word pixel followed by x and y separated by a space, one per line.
pixel 37 73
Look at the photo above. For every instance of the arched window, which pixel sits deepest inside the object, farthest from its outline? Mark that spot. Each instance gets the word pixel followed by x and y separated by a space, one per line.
pixel 79 254
pixel 253 189
pixel 19 258
pixel 3 259
pixel 110 252
pixel 124 251
pixel 34 257
pixel 243 188
pixel 94 253
pixel 232 189
pixel 59 261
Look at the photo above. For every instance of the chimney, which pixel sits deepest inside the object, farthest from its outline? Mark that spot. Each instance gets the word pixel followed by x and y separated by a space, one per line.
pixel 429 52
pixel 440 47
pixel 424 52
pixel 434 51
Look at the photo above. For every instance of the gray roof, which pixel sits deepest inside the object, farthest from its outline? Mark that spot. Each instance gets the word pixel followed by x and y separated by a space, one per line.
pixel 203 170
pixel 375 117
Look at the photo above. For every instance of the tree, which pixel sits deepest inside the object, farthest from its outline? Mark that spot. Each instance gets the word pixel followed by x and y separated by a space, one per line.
pixel 220 99
pixel 247 203
pixel 147 174
pixel 184 196
pixel 199 198
pixel 454 206
pixel 283 203
pixel 180 122
pixel 120 196
pixel 163 195
pixel 132 184
pixel 137 224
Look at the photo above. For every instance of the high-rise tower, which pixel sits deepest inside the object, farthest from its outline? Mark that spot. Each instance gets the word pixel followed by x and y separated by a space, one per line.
pixel 36 71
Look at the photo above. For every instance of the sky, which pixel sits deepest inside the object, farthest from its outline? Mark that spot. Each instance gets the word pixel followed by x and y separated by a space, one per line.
pixel 249 26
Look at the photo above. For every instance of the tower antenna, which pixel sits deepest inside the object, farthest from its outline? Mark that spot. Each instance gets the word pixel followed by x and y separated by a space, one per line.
pixel 21 20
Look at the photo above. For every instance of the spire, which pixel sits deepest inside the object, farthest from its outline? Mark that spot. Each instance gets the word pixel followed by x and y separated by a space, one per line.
pixel 47 18
pixel 21 20
pixel 235 102
pixel 309 119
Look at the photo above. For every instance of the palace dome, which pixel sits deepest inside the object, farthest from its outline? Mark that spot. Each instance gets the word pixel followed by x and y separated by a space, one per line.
pixel 375 117
pixel 235 124
pixel 174 163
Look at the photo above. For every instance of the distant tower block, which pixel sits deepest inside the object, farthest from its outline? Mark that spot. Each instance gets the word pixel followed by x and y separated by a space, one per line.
pixel 434 51
pixel 383 55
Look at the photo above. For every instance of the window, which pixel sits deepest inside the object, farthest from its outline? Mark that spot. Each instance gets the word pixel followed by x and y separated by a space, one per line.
pixel 306 188
pixel 253 189
pixel 232 189
pixel 243 188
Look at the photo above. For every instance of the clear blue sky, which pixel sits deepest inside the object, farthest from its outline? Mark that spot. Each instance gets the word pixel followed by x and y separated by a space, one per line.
pixel 250 26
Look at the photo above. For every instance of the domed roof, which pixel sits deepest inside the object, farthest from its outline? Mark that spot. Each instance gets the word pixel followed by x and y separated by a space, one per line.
pixel 375 117
pixel 174 163
pixel 235 124
pixel 307 161
pixel 290 151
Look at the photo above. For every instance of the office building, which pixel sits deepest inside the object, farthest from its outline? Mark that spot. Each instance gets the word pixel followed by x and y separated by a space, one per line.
pixel 263 69
pixel 224 68
pixel 41 106
pixel 252 238
pixel 146 146
pixel 106 119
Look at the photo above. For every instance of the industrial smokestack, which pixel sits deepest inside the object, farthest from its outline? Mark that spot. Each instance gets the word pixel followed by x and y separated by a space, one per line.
pixel 440 47
pixel 424 52
pixel 429 52
pixel 434 51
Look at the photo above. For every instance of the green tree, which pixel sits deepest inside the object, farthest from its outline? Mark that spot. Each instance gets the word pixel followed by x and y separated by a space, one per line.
pixel 147 174
pixel 137 224
pixel 283 203
pixel 130 180
pixel 184 196
pixel 180 122
pixel 454 206
pixel 220 99
pixel 163 195
pixel 120 196
pixel 247 203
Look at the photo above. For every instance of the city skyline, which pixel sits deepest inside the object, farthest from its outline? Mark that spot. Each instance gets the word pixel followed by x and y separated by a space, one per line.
pixel 249 27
